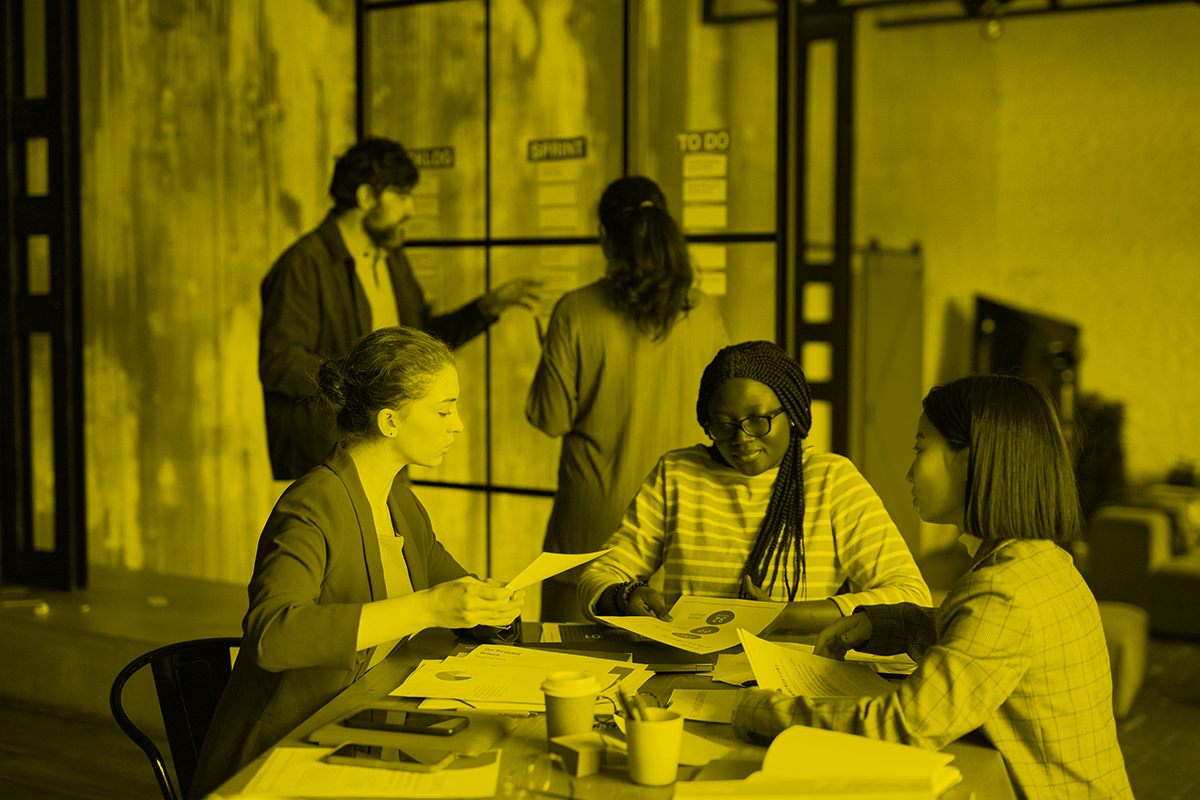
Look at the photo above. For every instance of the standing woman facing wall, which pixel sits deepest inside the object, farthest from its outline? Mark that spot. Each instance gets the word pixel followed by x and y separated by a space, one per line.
pixel 620 363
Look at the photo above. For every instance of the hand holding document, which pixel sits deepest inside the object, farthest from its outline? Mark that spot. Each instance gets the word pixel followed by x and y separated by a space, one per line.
pixel 547 565
pixel 703 624
pixel 799 673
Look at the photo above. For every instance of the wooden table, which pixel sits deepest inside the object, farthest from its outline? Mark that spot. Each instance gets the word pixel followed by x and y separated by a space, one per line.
pixel 984 774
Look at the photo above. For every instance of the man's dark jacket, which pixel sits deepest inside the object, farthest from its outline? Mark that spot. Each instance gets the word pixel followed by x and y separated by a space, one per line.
pixel 313 307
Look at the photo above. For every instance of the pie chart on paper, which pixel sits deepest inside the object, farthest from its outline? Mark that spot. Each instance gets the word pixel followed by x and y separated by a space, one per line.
pixel 452 675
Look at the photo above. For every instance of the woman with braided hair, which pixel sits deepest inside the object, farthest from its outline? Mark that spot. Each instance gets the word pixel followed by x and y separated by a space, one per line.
pixel 620 361
pixel 756 514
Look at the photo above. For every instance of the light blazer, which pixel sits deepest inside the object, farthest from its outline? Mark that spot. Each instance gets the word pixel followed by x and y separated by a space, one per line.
pixel 317 564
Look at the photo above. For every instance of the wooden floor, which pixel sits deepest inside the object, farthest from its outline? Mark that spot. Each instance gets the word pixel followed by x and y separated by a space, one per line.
pixel 45 756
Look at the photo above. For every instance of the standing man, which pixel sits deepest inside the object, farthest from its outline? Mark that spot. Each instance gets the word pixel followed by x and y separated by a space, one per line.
pixel 343 280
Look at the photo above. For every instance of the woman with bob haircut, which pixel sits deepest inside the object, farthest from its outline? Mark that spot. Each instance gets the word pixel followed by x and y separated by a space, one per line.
pixel 1016 650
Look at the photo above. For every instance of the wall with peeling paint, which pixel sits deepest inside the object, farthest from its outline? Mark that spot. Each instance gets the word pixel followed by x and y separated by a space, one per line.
pixel 209 134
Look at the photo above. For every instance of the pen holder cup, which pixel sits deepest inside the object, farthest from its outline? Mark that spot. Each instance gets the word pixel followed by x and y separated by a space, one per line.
pixel 653 745
pixel 570 702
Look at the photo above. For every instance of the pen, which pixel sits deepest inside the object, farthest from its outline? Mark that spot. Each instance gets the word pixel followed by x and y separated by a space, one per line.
pixel 630 712
pixel 697 667
pixel 640 705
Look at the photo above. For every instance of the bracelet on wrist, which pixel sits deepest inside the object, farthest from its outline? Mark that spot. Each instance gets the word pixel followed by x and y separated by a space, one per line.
pixel 626 591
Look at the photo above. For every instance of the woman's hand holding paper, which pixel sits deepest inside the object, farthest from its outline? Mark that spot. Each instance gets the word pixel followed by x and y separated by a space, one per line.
pixel 645 601
pixel 467 602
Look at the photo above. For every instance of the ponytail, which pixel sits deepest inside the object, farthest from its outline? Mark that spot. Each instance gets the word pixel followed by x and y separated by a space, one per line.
pixel 651 272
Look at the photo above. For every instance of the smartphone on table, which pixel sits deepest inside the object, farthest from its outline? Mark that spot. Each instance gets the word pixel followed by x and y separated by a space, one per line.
pixel 369 755
pixel 386 719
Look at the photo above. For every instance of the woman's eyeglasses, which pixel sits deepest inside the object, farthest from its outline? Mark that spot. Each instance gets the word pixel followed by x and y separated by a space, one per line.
pixel 754 426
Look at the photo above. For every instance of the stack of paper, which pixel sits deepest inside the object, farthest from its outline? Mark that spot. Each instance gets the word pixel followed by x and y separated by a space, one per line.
pixel 811 763
pixel 509 679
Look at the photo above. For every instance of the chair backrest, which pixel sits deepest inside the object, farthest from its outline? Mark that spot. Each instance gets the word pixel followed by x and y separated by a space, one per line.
pixel 189 678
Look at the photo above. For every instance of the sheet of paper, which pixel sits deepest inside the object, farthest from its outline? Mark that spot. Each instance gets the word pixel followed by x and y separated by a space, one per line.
pixel 547 565
pixel 705 705
pixel 299 772
pixel 899 664
pixel 550 660
pixel 504 679
pixel 508 709
pixel 703 624
pixel 797 673
pixel 459 679
pixel 854 762
pixel 733 668
pixel 628 675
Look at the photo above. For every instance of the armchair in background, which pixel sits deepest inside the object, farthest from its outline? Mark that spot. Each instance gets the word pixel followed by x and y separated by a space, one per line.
pixel 1147 554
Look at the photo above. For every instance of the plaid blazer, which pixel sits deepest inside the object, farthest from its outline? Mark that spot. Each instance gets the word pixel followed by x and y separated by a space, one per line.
pixel 1016 650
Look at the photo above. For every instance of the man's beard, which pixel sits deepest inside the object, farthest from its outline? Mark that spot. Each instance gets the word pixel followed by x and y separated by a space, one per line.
pixel 389 237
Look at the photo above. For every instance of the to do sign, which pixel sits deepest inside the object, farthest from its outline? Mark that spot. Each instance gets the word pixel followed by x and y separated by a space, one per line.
pixel 701 141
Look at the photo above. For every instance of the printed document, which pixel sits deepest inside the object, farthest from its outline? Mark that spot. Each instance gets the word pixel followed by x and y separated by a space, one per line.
pixel 503 678
pixel 703 624
pixel 796 672
pixel 460 679
pixel 705 705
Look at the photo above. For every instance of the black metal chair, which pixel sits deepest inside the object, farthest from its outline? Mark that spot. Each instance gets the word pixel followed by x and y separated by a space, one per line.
pixel 189 678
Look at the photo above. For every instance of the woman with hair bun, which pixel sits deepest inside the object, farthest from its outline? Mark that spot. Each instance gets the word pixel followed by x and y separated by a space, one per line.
pixel 348 564
pixel 756 514
pixel 619 362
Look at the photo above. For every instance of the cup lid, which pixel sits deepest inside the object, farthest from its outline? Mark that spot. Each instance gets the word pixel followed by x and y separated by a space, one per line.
pixel 570 683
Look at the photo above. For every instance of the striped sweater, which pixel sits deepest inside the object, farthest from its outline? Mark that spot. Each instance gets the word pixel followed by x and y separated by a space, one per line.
pixel 697 519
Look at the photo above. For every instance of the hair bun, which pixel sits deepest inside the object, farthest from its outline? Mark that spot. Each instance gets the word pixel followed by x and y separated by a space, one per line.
pixel 331 384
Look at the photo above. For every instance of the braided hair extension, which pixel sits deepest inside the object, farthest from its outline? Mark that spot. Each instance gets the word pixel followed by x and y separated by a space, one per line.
pixel 783 527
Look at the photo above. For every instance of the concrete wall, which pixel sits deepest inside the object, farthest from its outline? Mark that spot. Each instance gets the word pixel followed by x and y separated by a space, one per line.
pixel 1054 169
pixel 209 134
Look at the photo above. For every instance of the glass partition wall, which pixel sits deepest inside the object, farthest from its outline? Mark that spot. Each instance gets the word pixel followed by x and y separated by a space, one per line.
pixel 519 113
